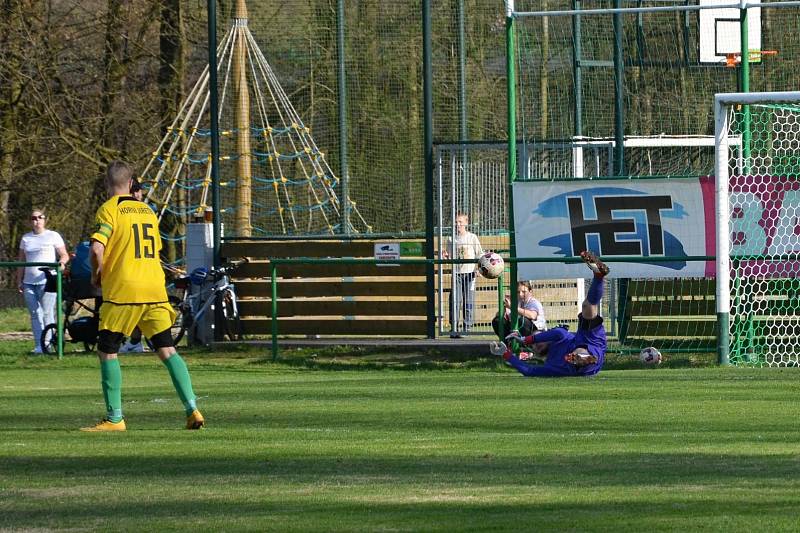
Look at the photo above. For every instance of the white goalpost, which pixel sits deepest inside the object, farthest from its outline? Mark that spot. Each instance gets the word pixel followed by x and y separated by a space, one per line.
pixel 758 228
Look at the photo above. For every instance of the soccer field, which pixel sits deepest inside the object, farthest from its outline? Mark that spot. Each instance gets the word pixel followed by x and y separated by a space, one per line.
pixel 290 448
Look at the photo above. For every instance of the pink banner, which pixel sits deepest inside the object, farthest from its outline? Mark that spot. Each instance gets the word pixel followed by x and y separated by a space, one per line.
pixel 764 223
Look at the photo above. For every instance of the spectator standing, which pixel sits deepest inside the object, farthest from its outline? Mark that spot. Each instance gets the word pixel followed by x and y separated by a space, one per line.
pixel 40 245
pixel 462 297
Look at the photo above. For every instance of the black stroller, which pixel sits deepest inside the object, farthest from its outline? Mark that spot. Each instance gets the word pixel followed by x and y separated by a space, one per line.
pixel 81 307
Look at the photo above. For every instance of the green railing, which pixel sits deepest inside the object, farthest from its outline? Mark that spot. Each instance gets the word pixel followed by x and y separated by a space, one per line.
pixel 59 321
pixel 276 263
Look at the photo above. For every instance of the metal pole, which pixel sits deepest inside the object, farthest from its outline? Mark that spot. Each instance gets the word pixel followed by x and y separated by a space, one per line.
pixel 59 322
pixel 456 290
pixel 501 323
pixel 427 96
pixel 462 108
pixel 744 73
pixel 274 316
pixel 577 54
pixel 440 235
pixel 511 89
pixel 214 111
pixel 344 168
pixel 723 243
pixel 619 102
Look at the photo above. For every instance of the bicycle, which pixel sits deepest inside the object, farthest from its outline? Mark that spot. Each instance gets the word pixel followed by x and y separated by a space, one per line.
pixel 197 300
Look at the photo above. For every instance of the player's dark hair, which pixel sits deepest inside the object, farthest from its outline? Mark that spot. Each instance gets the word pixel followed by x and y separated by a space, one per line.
pixel 526 284
pixel 136 186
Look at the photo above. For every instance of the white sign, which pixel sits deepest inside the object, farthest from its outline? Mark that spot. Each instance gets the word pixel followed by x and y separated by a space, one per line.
pixel 387 251
pixel 646 218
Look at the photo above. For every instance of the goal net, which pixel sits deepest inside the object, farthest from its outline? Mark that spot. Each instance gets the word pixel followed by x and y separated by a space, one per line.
pixel 758 231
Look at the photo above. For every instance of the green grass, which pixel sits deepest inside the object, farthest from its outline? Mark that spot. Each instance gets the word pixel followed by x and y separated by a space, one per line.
pixel 14 319
pixel 291 447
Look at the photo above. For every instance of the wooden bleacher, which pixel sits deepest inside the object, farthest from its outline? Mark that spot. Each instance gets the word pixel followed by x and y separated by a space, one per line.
pixel 328 299
pixel 668 312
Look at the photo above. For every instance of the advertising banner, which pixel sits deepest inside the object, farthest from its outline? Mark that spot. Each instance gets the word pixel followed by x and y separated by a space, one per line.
pixel 649 218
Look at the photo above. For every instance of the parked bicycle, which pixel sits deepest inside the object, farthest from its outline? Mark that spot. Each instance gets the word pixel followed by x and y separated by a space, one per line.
pixel 193 295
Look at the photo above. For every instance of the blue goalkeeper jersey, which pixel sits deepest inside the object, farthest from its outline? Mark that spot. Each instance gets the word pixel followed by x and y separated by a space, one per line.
pixel 591 336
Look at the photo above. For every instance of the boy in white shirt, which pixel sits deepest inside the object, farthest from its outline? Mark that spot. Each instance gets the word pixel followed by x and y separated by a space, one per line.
pixel 462 297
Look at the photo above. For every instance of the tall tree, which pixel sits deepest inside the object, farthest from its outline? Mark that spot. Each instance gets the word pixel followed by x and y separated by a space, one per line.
pixel 10 94
pixel 171 75
pixel 112 83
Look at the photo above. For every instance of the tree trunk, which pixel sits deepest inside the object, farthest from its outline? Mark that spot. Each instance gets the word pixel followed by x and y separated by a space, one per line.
pixel 171 74
pixel 10 92
pixel 113 78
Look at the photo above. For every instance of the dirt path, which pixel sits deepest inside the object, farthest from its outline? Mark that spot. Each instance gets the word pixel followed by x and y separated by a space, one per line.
pixel 16 336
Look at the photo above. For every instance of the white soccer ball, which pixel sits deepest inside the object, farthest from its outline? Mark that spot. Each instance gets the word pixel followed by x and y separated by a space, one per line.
pixel 491 265
pixel 650 356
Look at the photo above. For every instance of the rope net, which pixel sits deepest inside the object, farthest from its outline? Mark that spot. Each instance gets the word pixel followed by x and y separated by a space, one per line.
pixel 274 178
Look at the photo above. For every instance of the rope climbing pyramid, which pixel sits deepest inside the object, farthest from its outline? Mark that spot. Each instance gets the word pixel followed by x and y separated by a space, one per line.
pixel 274 179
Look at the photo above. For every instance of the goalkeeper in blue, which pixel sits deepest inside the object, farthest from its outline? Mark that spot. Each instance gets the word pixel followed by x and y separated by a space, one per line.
pixel 567 354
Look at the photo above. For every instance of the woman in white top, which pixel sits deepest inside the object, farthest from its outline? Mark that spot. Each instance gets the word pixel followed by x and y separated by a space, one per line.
pixel 41 246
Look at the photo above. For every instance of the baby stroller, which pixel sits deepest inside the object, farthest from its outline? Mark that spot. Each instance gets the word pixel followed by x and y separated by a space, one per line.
pixel 81 308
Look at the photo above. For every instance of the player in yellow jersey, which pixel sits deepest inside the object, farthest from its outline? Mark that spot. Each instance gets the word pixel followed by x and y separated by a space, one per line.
pixel 126 265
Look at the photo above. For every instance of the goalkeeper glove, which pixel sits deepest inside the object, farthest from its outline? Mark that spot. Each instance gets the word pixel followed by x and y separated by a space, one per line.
pixel 515 336
pixel 498 348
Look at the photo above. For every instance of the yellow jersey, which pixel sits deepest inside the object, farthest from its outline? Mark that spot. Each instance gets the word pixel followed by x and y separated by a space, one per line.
pixel 131 271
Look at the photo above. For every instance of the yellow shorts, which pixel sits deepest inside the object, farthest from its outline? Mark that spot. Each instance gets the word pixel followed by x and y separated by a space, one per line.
pixel 151 318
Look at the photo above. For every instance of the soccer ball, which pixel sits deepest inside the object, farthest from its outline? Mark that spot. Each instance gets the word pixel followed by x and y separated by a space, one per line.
pixel 490 265
pixel 650 356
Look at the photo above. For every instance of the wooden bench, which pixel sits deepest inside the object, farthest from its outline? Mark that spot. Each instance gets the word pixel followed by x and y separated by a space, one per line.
pixel 329 299
pixel 671 311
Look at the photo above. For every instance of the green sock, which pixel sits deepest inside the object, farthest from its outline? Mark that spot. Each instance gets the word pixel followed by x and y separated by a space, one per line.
pixel 182 382
pixel 111 380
